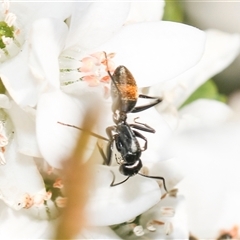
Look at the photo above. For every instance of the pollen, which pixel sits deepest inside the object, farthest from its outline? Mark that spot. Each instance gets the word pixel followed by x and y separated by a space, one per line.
pixel 138 231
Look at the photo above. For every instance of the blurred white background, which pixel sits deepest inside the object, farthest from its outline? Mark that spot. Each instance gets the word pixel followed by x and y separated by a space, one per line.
pixel 222 15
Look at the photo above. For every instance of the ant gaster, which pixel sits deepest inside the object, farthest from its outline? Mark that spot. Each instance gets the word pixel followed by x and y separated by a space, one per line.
pixel 124 93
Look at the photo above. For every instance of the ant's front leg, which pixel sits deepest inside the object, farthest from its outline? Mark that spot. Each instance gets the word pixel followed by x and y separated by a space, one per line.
pixel 108 158
pixel 144 107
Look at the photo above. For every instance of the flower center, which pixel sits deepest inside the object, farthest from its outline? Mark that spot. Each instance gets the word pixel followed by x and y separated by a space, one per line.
pixel 92 68
pixel 11 38
pixel 6 32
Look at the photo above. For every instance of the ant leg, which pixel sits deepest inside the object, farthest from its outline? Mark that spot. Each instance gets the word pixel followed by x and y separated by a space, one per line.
pixel 115 184
pixel 146 127
pixel 105 158
pixel 154 177
pixel 149 97
pixel 87 131
pixel 139 135
pixel 144 107
pixel 109 131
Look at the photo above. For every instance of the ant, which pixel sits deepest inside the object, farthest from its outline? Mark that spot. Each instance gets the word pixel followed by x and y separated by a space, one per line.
pixel 124 95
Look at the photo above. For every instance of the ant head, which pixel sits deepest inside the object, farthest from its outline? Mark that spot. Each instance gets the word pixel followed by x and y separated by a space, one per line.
pixel 131 169
pixel 131 159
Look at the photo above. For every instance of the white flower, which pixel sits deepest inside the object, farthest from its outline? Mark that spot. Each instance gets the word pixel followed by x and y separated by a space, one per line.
pixel 17 225
pixel 16 54
pixel 14 189
pixel 56 142
pixel 72 109
pixel 154 52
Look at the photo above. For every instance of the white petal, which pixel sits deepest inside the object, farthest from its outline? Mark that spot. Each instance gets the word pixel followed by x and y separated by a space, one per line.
pixel 47 40
pixel 18 176
pixel 25 131
pixel 56 141
pixel 145 11
pixel 16 225
pixel 156 51
pixel 29 11
pixel 234 100
pixel 96 22
pixel 112 205
pixel 171 170
pixel 221 49
pixel 211 188
pixel 18 79
pixel 4 101
pixel 203 112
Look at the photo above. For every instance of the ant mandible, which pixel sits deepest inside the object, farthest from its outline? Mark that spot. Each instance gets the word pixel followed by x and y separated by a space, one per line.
pixel 124 93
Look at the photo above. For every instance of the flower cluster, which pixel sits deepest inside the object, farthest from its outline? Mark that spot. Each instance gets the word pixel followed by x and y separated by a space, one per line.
pixel 54 70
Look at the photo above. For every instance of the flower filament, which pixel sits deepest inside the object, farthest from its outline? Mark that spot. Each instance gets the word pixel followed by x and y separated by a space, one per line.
pixel 91 69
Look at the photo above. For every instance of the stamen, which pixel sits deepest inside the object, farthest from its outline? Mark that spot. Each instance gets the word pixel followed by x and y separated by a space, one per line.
pixel 61 202
pixel 173 192
pixel 58 183
pixel 40 197
pixel 157 222
pixel 7 40
pixel 2 159
pixel 10 19
pixel 138 231
pixel 5 6
pixel 167 211
pixel 90 69
pixel 3 143
pixel 150 227
pixel 168 227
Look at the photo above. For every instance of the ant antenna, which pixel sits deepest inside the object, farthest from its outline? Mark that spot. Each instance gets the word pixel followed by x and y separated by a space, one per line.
pixel 112 183
pixel 110 75
pixel 155 177
pixel 89 132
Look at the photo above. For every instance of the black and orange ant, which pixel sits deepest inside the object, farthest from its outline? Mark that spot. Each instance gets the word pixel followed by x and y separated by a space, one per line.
pixel 124 93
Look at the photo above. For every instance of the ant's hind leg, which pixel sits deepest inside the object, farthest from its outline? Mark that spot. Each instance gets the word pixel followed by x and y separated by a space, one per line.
pixel 145 107
pixel 142 126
